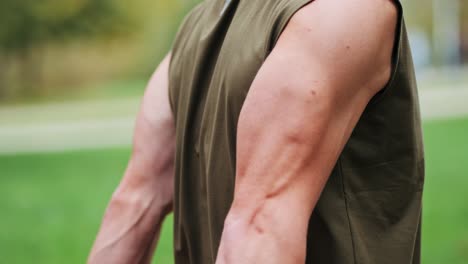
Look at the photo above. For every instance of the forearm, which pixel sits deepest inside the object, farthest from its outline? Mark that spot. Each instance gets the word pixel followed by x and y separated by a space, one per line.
pixel 131 225
pixel 134 245
pixel 149 252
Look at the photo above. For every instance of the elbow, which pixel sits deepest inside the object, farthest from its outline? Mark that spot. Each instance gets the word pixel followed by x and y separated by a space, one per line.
pixel 121 203
pixel 243 221
pixel 256 218
pixel 145 186
pixel 134 204
pixel 137 205
pixel 244 234
pixel 267 217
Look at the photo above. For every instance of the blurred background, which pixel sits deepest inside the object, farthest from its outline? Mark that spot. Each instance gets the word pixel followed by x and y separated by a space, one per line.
pixel 71 77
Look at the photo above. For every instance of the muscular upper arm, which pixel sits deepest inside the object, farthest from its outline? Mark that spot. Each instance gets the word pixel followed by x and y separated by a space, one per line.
pixel 332 57
pixel 155 129
pixel 150 169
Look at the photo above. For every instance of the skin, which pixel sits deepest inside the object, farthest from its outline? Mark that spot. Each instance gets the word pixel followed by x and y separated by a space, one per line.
pixel 290 134
pixel 132 222
pixel 292 130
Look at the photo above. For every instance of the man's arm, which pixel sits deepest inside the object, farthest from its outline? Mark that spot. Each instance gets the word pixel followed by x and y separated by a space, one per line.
pixel 331 59
pixel 132 221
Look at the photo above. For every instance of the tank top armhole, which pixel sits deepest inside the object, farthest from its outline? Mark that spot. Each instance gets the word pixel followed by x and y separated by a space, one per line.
pixel 285 14
pixel 395 57
pixel 169 90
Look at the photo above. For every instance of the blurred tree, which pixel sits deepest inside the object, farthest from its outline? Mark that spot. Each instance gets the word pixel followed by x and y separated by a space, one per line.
pixel 26 25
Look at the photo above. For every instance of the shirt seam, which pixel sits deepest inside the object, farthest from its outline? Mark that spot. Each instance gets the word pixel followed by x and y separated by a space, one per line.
pixel 289 12
pixel 340 166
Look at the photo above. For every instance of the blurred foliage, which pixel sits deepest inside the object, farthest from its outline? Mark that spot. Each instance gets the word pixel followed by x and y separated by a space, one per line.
pixel 419 13
pixel 53 47
pixel 28 23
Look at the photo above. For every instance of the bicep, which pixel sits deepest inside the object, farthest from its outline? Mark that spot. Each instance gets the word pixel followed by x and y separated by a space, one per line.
pixel 155 118
pixel 154 135
pixel 304 103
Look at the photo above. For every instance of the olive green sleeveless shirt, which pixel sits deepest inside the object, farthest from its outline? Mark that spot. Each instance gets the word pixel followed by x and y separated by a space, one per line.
pixel 370 209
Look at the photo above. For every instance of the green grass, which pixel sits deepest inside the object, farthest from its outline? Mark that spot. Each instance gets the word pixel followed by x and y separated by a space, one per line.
pixel 445 222
pixel 51 204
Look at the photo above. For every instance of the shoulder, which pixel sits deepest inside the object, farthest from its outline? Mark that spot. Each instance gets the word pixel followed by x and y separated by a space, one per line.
pixel 344 36
pixel 364 13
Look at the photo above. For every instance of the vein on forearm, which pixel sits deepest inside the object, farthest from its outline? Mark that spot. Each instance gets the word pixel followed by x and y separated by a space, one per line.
pixel 128 228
